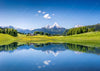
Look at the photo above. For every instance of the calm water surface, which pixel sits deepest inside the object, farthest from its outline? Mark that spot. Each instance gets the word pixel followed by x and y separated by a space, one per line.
pixel 49 57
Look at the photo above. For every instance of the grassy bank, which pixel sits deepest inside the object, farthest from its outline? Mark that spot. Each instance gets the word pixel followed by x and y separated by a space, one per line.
pixel 88 39
pixel 6 39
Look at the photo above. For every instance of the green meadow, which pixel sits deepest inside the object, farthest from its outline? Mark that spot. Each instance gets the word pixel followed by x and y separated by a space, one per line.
pixel 6 39
pixel 86 39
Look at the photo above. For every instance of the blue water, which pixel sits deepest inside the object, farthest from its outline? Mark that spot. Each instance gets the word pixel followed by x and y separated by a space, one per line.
pixel 49 57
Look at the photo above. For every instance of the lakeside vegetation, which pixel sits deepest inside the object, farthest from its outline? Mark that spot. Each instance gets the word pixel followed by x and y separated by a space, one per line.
pixel 88 39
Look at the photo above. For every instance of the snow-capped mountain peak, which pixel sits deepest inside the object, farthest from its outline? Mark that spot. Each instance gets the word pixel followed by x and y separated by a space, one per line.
pixel 55 25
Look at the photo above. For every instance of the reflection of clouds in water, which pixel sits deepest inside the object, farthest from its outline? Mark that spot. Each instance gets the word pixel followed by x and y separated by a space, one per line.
pixel 46 62
pixel 78 52
pixel 41 66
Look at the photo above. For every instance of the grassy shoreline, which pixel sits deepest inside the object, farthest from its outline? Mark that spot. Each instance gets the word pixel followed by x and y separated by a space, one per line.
pixel 87 39
pixel 6 39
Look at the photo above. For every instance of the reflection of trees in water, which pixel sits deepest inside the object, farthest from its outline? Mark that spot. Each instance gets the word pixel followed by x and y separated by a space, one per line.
pixel 69 46
pixel 80 48
pixel 9 47
pixel 74 47
pixel 43 44
pixel 53 47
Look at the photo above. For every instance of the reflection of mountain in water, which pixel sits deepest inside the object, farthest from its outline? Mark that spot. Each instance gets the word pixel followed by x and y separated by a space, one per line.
pixel 48 48
pixel 52 48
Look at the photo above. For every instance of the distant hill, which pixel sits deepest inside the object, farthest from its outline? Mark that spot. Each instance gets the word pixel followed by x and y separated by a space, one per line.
pixel 18 29
pixel 7 27
pixel 25 31
pixel 96 27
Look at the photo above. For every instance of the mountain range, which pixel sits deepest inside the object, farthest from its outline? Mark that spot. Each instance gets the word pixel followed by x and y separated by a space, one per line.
pixel 54 29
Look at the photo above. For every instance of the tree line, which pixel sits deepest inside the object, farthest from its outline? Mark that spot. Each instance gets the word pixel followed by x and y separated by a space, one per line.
pixel 79 30
pixel 39 33
pixel 80 48
pixel 9 31
pixel 44 33
pixel 96 26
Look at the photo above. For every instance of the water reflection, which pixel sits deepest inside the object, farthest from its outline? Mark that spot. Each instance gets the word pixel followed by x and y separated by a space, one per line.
pixel 82 48
pixel 49 57
pixel 9 47
pixel 53 48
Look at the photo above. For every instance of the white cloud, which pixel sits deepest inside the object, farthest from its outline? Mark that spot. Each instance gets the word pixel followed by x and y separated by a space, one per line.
pixel 39 11
pixel 43 12
pixel 47 62
pixel 47 16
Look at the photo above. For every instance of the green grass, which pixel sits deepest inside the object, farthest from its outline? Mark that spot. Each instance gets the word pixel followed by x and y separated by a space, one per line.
pixel 6 39
pixel 87 39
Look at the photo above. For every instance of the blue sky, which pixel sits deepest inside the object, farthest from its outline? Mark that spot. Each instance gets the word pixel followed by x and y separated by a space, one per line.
pixel 32 14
